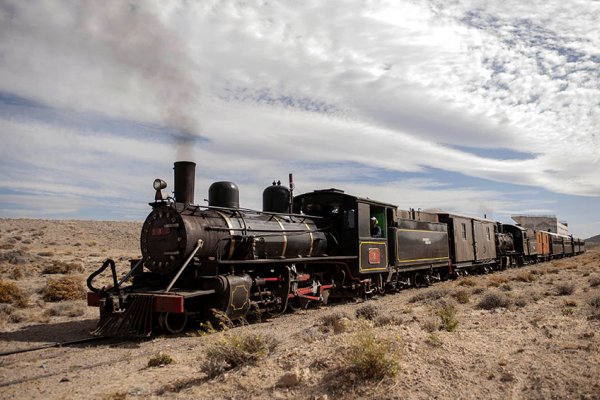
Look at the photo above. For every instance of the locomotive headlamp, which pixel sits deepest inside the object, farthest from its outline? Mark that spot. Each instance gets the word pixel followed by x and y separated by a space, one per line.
pixel 159 184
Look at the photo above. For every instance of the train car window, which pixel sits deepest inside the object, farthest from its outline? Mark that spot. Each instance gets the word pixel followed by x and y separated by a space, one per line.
pixel 464 230
pixel 488 233
pixel 350 219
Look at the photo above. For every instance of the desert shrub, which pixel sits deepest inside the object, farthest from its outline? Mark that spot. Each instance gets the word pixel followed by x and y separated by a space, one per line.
pixel 565 289
pixel 506 287
pixel 336 321
pixel 46 253
pixel 492 301
pixel 65 310
pixel 12 294
pixel 553 271
pixel 524 277
pixel 477 290
pixel 6 246
pixel 467 282
pixel 462 296
pixel 520 302
pixel 497 280
pixel 566 311
pixel 428 295
pixel 570 303
pixel 160 359
pixel 595 302
pixel 434 340
pixel 15 273
pixel 595 281
pixel 235 351
pixel 386 320
pixel 430 324
pixel 61 267
pixel 447 313
pixel 66 288
pixel 368 311
pixel 372 358
pixel 538 272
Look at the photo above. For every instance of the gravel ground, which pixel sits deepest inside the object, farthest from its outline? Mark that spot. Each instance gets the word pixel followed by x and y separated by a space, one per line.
pixel 538 339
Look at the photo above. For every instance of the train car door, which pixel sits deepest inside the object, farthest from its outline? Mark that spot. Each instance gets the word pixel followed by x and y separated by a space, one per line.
pixel 483 244
pixel 373 251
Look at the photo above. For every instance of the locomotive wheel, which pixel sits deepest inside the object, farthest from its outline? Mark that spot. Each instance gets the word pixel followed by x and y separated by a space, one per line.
pixel 172 322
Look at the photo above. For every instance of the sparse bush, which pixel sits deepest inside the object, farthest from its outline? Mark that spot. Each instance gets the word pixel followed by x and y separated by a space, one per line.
pixel 467 282
pixel 65 310
pixel 12 294
pixel 66 288
pixel 61 267
pixel 235 351
pixel 492 301
pixel 595 281
pixel 570 303
pixel 368 311
pixel 447 313
pixel 386 320
pixel 430 325
pixel 566 311
pixel 428 295
pixel 478 290
pixel 506 287
pixel 462 296
pixel 520 302
pixel 565 289
pixel 16 273
pixel 6 246
pixel 497 280
pixel 45 253
pixel 524 277
pixel 337 322
pixel 160 359
pixel 595 302
pixel 372 358
pixel 434 340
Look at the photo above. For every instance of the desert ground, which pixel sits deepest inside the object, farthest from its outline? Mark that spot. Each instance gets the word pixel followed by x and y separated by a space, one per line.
pixel 524 333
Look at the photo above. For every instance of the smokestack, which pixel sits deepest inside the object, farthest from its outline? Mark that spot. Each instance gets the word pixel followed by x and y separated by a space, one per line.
pixel 185 175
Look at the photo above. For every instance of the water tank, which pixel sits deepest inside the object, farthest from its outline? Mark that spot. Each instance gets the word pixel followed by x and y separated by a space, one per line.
pixel 276 198
pixel 224 194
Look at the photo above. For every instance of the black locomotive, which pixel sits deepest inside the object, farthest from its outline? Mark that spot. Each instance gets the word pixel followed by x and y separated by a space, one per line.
pixel 315 247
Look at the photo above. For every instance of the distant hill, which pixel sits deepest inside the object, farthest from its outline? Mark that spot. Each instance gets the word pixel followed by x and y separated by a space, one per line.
pixel 593 239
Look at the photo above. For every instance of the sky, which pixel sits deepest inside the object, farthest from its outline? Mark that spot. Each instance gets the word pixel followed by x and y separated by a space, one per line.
pixel 479 107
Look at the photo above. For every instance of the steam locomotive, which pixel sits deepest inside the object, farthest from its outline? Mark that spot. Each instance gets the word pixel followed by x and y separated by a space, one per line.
pixel 312 248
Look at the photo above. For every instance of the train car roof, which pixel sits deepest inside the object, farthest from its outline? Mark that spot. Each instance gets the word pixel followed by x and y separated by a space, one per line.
pixel 450 214
pixel 341 193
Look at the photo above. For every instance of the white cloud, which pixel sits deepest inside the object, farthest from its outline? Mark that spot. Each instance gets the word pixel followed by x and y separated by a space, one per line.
pixel 376 85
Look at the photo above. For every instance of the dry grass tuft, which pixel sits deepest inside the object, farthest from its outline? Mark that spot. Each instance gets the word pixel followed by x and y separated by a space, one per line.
pixel 160 359
pixel 467 282
pixel 492 301
pixel 462 296
pixel 594 281
pixel 368 311
pixel 428 295
pixel 565 289
pixel 497 280
pixel 372 358
pixel 525 276
pixel 434 340
pixel 61 267
pixel 337 321
pixel 387 320
pixel 66 288
pixel 12 294
pixel 235 351
pixel 447 313
pixel 69 309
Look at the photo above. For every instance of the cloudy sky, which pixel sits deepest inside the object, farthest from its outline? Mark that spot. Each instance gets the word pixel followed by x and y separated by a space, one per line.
pixel 478 107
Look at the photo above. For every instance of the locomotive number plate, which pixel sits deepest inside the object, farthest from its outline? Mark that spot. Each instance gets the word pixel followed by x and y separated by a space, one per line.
pixel 374 256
